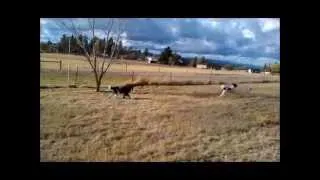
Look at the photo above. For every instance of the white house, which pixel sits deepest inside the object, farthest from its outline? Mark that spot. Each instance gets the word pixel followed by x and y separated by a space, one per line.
pixel 202 66
pixel 249 71
pixel 151 59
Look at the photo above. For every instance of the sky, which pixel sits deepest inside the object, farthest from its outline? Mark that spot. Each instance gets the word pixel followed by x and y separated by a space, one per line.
pixel 241 40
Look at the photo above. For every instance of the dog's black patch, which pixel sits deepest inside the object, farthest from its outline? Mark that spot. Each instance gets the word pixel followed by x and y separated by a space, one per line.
pixel 125 90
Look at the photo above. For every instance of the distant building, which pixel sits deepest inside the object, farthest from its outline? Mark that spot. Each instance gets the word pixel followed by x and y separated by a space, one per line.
pixel 249 71
pixel 202 66
pixel 151 59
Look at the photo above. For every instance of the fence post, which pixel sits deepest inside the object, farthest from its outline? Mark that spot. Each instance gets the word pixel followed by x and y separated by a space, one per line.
pixel 170 76
pixel 68 74
pixel 88 153
pixel 132 76
pixel 126 67
pixel 76 76
pixel 60 66
pixel 105 154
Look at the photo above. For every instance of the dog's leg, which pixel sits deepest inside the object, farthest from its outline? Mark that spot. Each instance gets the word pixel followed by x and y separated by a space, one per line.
pixel 126 94
pixel 109 95
pixel 222 93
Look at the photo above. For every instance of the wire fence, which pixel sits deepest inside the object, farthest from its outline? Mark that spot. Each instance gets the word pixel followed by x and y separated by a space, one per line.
pixel 77 74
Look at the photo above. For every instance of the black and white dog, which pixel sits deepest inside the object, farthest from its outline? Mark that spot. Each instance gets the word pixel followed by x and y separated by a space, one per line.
pixel 125 90
pixel 227 87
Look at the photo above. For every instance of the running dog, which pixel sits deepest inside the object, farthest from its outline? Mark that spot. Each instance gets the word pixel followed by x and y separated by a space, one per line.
pixel 227 87
pixel 125 90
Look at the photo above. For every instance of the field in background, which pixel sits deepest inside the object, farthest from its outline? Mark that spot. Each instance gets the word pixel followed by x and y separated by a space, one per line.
pixel 119 65
pixel 187 123
pixel 127 70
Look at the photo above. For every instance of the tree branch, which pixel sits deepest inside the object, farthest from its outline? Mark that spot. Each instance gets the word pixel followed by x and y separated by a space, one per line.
pixel 93 43
pixel 74 30
pixel 116 46
pixel 106 44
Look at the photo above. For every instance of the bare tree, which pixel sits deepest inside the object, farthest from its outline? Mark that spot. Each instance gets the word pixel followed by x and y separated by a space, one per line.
pixel 99 69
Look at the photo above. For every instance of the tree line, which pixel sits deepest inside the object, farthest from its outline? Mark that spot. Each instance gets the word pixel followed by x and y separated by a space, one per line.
pixel 68 44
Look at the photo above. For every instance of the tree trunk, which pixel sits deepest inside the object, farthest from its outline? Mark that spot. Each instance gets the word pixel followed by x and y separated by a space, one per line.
pixel 98 82
pixel 98 87
pixel 96 77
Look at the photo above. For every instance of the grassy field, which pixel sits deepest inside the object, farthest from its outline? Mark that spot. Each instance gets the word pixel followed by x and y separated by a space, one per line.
pixel 49 74
pixel 119 65
pixel 165 123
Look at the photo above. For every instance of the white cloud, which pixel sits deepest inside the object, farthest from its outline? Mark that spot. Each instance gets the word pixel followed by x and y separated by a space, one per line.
pixel 265 60
pixel 231 43
pixel 174 30
pixel 234 24
pixel 43 21
pixel 193 45
pixel 248 34
pixel 190 55
pixel 269 24
pixel 209 44
pixel 124 35
pixel 208 23
pixel 270 49
pixel 125 42
pixel 100 34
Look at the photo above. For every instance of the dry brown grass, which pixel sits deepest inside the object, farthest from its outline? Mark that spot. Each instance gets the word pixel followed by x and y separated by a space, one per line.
pixel 119 65
pixel 51 76
pixel 165 123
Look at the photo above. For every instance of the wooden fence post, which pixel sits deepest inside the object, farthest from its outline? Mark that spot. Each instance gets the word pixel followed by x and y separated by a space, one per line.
pixel 105 154
pixel 75 82
pixel 88 153
pixel 60 66
pixel 170 76
pixel 132 76
pixel 68 74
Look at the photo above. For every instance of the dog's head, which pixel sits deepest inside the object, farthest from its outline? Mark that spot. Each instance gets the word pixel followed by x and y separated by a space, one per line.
pixel 114 89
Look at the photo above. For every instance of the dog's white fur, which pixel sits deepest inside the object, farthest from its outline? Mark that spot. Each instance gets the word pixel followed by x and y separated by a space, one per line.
pixel 222 93
pixel 225 88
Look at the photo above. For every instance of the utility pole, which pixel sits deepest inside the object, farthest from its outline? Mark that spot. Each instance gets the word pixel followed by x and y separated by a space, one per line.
pixel 69 45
